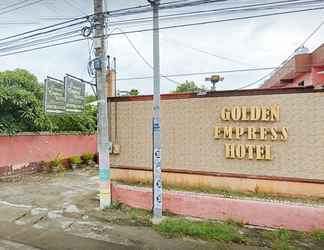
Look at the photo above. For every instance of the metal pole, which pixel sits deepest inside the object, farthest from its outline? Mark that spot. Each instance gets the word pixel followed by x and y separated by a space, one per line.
pixel 157 177
pixel 102 135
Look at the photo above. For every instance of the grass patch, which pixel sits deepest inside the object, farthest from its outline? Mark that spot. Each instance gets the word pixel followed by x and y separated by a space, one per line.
pixel 318 235
pixel 281 239
pixel 122 214
pixel 227 232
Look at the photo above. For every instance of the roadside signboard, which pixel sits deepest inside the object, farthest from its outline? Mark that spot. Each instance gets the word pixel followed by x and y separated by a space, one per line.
pixel 54 96
pixel 74 95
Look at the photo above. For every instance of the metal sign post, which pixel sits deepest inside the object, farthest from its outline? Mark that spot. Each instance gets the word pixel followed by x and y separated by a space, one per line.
pixel 157 176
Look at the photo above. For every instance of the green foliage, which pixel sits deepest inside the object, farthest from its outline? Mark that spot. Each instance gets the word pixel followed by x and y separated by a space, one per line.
pixel 85 122
pixel 21 108
pixel 20 103
pixel 200 229
pixel 318 235
pixel 90 98
pixel 57 162
pixel 281 239
pixel 189 86
pixel 87 157
pixel 75 160
pixel 133 92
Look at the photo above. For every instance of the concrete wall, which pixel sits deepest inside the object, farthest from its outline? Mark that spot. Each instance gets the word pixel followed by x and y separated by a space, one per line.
pixel 25 148
pixel 207 206
pixel 187 132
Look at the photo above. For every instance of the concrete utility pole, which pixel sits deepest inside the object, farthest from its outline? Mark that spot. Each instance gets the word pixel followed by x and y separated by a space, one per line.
pixel 102 135
pixel 157 176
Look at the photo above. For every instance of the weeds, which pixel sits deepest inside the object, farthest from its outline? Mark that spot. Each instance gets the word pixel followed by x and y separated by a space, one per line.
pixel 226 232
pixel 318 235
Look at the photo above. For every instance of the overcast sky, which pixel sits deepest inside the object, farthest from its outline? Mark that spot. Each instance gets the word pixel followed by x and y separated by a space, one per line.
pixel 260 42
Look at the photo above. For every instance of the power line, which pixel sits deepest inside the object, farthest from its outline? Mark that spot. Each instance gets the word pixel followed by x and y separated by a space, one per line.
pixel 87 17
pixel 43 47
pixel 49 39
pixel 71 4
pixel 143 58
pixel 289 3
pixel 180 44
pixel 272 72
pixel 216 72
pixel 222 20
pixel 178 26
pixel 14 4
pixel 232 9
pixel 20 7
pixel 40 29
pixel 41 33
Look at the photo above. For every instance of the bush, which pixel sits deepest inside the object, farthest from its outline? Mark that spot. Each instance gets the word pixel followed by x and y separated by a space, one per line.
pixel 57 162
pixel 86 157
pixel 75 160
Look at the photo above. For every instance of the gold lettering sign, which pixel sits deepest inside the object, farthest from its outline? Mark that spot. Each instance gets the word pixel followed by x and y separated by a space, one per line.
pixel 264 114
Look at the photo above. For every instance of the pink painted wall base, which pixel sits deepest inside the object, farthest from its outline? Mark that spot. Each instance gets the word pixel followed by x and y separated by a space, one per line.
pixel 253 212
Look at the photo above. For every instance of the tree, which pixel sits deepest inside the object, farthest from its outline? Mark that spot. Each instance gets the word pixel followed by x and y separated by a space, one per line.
pixel 188 86
pixel 90 98
pixel 20 102
pixel 21 108
pixel 133 92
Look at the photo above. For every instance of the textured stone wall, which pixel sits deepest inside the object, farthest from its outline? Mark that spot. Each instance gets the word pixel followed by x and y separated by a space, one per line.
pixel 187 135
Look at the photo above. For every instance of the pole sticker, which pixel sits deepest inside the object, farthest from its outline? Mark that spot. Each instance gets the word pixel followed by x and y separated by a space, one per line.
pixel 104 174
pixel 156 124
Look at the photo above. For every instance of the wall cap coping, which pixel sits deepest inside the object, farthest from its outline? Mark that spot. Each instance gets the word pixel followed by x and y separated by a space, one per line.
pixel 47 134
pixel 223 93
pixel 228 175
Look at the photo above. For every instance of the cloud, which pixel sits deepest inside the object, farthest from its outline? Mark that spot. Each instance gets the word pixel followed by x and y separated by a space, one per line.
pixel 262 42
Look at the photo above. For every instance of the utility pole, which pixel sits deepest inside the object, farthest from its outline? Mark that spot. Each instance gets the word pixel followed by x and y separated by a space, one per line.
pixel 100 64
pixel 157 176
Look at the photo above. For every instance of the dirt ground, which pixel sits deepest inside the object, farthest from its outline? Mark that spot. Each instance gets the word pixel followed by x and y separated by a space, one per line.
pixel 47 211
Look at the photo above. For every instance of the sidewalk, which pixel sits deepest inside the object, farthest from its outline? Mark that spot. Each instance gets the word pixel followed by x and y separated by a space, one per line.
pixel 29 238
pixel 60 212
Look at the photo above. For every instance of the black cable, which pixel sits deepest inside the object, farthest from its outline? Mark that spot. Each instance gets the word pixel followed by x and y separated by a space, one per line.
pixel 45 40
pixel 40 29
pixel 221 20
pixel 40 33
pixel 182 45
pixel 212 11
pixel 216 72
pixel 272 72
pixel 71 4
pixel 144 59
pixel 42 47
pixel 62 23
pixel 177 26
pixel 20 7
pixel 14 4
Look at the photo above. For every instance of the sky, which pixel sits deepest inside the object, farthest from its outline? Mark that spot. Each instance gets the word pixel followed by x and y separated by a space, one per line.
pixel 259 42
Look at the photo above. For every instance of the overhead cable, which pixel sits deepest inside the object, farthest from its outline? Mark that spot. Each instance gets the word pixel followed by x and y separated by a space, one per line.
pixel 180 26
